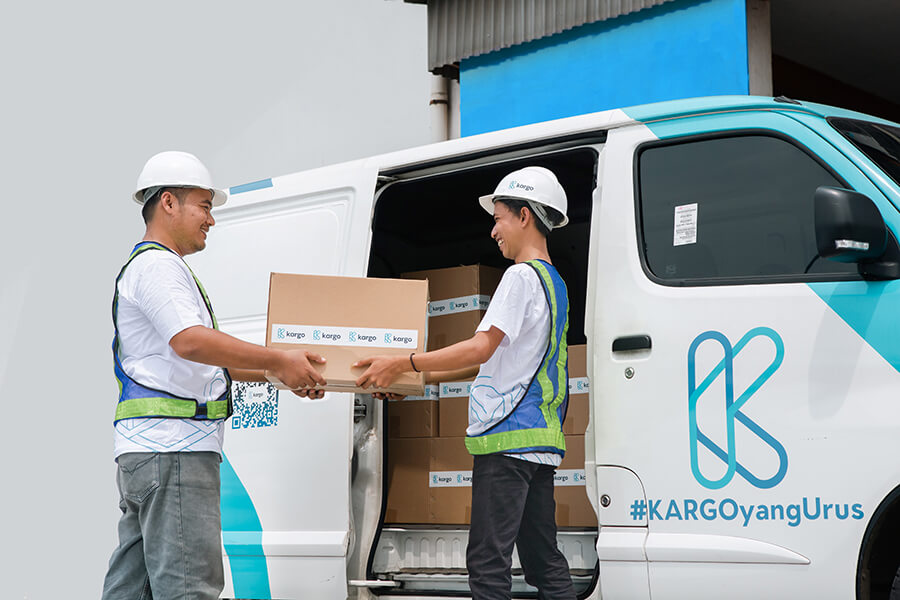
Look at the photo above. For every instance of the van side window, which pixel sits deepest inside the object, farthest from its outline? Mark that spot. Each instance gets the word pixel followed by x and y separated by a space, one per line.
pixel 732 207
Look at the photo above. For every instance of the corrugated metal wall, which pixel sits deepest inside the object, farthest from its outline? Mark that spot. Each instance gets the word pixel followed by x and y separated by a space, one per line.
pixel 460 29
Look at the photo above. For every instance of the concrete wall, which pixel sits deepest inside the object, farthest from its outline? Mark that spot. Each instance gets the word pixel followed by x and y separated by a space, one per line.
pixel 90 91
pixel 676 50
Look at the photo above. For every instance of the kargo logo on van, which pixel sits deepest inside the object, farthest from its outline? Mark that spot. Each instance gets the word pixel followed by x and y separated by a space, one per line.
pixel 734 403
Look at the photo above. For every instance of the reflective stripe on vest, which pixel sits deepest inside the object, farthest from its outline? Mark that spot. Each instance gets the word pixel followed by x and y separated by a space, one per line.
pixel 137 400
pixel 535 424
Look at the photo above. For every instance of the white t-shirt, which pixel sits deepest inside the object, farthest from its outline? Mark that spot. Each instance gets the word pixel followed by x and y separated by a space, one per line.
pixel 519 309
pixel 159 298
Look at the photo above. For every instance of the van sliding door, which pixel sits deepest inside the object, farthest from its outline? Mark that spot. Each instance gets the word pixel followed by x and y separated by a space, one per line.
pixel 286 469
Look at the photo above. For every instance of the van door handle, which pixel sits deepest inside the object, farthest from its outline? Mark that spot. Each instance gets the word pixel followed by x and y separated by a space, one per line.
pixel 631 342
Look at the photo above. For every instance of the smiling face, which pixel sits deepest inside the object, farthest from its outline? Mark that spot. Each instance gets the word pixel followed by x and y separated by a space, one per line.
pixel 191 219
pixel 508 230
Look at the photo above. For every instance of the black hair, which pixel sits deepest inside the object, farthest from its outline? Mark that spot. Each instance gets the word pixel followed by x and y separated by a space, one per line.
pixel 149 207
pixel 516 205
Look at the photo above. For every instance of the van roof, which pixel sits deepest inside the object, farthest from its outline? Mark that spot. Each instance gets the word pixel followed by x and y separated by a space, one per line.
pixel 577 126
pixel 693 106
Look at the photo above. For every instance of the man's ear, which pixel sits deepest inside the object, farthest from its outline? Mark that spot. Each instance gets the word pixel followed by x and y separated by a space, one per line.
pixel 523 215
pixel 167 201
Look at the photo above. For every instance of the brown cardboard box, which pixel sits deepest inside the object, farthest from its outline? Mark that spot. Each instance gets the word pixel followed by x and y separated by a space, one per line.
pixel 578 412
pixel 345 319
pixel 450 482
pixel 572 506
pixel 408 470
pixel 430 482
pixel 453 408
pixel 411 418
pixel 458 298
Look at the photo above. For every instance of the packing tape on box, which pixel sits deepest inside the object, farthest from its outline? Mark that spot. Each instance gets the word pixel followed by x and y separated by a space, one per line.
pixel 563 477
pixel 579 385
pixel 431 393
pixel 461 389
pixel 569 477
pixel 450 479
pixel 455 389
pixel 458 305
pixel 362 337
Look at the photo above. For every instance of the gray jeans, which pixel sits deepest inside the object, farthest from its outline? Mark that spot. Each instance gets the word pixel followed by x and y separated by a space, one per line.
pixel 170 544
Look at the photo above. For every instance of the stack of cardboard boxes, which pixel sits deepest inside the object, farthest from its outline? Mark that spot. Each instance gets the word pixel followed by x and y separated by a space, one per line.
pixel 429 468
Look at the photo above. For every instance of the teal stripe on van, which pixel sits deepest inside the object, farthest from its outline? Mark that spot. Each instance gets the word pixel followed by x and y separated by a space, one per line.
pixel 249 187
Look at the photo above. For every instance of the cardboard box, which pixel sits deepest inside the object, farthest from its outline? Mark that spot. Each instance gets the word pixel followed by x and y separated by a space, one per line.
pixel 414 416
pixel 577 415
pixel 459 297
pixel 450 482
pixel 573 509
pixel 345 319
pixel 430 482
pixel 409 461
pixel 453 408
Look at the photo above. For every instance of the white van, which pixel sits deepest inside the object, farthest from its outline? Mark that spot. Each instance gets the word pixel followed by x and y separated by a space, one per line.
pixel 731 265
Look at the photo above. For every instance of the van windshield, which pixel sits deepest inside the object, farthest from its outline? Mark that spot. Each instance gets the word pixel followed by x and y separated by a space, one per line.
pixel 881 143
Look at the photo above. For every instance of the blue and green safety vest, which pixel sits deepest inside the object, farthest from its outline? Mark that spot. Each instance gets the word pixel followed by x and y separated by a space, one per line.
pixel 535 423
pixel 137 400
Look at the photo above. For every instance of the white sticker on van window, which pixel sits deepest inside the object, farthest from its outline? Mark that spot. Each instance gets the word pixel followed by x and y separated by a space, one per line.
pixel 367 337
pixel 685 225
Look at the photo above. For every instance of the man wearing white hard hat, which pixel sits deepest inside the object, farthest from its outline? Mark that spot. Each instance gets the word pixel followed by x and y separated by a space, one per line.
pixel 518 401
pixel 174 370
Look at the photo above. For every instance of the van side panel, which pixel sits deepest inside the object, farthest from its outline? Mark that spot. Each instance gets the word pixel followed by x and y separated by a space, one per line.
pixel 286 469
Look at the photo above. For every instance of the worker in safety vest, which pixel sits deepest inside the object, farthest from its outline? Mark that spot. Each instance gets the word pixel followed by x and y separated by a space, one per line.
pixel 518 401
pixel 174 369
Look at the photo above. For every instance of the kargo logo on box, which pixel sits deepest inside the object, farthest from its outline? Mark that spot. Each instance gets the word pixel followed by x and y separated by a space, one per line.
pixel 281 333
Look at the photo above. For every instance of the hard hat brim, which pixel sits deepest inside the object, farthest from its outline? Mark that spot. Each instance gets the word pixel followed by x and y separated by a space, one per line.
pixel 487 203
pixel 219 197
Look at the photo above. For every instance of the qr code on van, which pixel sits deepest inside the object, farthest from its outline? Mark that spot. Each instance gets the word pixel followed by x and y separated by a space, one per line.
pixel 255 405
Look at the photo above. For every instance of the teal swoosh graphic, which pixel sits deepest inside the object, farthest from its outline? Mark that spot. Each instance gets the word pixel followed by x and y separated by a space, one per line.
pixel 242 536
pixel 870 309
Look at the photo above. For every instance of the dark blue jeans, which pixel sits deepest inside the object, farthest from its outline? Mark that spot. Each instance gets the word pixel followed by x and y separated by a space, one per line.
pixel 170 532
pixel 512 503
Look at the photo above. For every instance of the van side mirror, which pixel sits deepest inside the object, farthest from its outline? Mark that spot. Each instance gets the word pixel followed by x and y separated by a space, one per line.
pixel 849 228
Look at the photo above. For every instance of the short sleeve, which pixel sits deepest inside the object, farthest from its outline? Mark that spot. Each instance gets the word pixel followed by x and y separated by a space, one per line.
pixel 509 304
pixel 165 292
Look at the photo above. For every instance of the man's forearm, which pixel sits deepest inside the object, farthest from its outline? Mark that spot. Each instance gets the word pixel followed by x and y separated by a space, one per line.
pixel 212 347
pixel 454 375
pixel 461 355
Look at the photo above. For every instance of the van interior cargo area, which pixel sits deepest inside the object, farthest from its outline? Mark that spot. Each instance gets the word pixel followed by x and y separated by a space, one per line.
pixel 435 221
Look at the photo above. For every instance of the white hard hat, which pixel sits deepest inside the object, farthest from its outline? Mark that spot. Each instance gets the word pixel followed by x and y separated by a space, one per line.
pixel 536 185
pixel 176 169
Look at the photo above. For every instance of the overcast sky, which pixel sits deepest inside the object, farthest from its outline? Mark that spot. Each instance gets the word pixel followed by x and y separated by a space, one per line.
pixel 89 91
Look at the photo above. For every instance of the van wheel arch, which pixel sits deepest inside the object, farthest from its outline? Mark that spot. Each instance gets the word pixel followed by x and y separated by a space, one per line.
pixel 879 553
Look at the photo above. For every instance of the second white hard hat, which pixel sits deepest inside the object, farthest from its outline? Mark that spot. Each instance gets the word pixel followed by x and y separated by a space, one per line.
pixel 176 169
pixel 533 184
